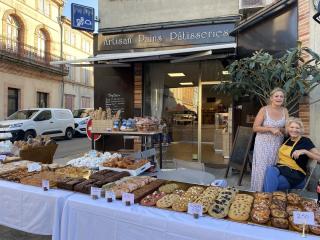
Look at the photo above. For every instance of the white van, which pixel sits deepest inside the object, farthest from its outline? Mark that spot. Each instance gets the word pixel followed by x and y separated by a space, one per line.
pixel 23 124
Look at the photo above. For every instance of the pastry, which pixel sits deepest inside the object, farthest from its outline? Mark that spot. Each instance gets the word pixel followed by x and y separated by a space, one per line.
pixel 262 195
pixel 280 198
pixel 206 201
pixel 309 205
pixel 181 204
pixel 261 204
pixel 278 193
pixel 297 227
pixel 218 211
pixel 244 197
pixel 291 208
pixel 280 223
pixel 278 204
pixel 152 199
pixel 293 198
pixel 260 216
pixel 277 213
pixel 167 201
pixel 169 188
pixel 315 229
pixel 147 189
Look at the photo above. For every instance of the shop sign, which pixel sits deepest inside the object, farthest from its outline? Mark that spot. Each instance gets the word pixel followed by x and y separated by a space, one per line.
pixel 171 37
pixel 82 17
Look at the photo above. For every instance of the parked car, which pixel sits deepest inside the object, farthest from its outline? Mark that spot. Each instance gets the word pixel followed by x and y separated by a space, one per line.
pixel 81 118
pixel 27 123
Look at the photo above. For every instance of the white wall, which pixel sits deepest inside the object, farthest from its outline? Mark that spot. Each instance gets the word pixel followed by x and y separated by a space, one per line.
pixel 135 12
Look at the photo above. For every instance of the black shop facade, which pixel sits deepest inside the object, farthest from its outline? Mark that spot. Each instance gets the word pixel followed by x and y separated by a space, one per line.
pixel 168 72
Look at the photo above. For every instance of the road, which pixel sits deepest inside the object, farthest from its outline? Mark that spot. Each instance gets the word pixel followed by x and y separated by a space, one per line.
pixel 69 149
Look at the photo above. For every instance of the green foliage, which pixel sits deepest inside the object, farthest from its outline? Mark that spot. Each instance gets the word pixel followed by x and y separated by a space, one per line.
pixel 297 72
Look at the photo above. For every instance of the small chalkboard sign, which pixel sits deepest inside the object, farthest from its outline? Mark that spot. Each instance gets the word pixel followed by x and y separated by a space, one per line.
pixel 240 149
pixel 115 102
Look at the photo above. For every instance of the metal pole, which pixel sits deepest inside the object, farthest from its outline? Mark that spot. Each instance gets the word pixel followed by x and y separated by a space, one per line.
pixel 60 19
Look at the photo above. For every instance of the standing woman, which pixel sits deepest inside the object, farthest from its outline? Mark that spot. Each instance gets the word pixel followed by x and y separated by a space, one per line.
pixel 269 126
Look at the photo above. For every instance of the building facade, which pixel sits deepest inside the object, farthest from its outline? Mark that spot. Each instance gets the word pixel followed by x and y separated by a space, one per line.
pixel 78 85
pixel 30 39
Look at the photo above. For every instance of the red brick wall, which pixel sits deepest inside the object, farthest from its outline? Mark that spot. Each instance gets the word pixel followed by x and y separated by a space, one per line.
pixel 304 38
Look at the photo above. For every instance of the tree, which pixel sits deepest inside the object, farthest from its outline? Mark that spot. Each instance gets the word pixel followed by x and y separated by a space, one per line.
pixel 297 72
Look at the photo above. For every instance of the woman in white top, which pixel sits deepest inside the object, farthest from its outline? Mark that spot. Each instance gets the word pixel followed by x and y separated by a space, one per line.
pixel 269 126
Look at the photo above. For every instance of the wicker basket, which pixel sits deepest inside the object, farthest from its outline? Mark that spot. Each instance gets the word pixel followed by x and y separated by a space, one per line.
pixel 43 154
pixel 147 128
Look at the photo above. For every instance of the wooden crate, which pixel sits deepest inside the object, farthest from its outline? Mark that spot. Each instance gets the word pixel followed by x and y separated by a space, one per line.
pixel 102 126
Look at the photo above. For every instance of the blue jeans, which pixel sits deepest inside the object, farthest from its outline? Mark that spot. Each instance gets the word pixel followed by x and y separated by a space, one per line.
pixel 273 181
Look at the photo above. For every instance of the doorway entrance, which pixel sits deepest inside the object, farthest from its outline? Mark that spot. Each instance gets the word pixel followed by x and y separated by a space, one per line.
pixel 197 118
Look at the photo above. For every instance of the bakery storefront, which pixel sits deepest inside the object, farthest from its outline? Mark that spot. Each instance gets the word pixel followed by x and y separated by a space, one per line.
pixel 169 73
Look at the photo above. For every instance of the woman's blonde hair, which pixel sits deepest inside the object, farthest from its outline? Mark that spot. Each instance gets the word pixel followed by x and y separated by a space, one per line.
pixel 296 121
pixel 277 89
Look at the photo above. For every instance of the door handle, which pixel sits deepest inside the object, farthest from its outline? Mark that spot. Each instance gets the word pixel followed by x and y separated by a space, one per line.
pixel 51 122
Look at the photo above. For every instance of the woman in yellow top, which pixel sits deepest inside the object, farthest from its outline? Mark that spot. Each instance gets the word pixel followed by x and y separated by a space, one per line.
pixel 293 156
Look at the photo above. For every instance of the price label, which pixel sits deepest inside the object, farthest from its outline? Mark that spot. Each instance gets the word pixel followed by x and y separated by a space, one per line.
pixel 34 167
pixel 45 185
pixel 128 197
pixel 195 209
pixel 2 158
pixel 110 195
pixel 303 218
pixel 95 192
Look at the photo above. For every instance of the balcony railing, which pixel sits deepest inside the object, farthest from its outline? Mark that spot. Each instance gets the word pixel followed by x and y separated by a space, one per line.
pixel 26 54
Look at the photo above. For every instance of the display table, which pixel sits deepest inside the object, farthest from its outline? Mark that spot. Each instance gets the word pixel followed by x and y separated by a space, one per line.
pixel 84 218
pixel 30 209
pixel 138 134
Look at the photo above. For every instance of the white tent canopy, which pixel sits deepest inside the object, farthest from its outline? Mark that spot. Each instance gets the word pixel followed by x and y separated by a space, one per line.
pixel 130 55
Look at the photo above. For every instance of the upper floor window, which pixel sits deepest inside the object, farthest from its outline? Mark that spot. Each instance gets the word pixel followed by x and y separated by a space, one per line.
pixel 70 37
pixel 44 7
pixel 13 32
pixel 42 40
pixel 86 46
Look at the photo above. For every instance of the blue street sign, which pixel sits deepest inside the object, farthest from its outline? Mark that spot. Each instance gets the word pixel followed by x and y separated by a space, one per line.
pixel 82 17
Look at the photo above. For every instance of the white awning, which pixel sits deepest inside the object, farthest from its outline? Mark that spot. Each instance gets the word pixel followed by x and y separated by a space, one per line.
pixel 130 55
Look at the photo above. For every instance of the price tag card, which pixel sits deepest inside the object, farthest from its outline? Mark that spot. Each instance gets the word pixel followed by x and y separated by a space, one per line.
pixel 34 167
pixel 195 209
pixel 45 185
pixel 2 158
pixel 110 195
pixel 128 197
pixel 303 218
pixel 95 192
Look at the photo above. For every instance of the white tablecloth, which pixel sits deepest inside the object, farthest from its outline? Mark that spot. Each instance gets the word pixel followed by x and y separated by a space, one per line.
pixel 30 209
pixel 84 218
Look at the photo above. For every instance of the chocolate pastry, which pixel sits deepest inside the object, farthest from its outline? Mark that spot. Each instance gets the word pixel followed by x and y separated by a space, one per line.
pixel 147 189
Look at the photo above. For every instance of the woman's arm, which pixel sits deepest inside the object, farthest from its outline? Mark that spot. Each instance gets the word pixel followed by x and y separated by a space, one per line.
pixel 257 125
pixel 312 153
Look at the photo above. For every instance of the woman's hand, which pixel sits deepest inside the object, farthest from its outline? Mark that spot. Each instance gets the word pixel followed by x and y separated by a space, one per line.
pixel 297 153
pixel 276 131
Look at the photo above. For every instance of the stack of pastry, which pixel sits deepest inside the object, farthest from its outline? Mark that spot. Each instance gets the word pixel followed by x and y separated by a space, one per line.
pixel 125 163
pixel 73 172
pixel 207 198
pixel 241 207
pixel 129 185
pixel 221 205
pixel 260 212
pixel 181 204
pixel 147 189
pixel 278 210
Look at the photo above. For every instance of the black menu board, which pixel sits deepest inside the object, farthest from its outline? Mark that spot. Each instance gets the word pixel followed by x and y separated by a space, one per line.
pixel 115 102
